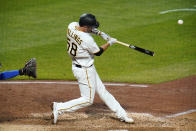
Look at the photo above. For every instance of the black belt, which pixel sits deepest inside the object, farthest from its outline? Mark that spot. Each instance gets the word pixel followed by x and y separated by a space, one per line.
pixel 79 66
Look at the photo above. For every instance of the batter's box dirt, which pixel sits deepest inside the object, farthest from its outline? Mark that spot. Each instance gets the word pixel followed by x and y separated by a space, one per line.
pixel 106 121
pixel 25 105
pixel 74 121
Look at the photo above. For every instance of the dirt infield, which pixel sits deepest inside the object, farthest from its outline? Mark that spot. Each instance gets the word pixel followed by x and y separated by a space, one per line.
pixel 25 105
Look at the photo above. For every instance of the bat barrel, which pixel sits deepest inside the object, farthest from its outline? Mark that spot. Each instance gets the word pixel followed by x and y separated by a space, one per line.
pixel 151 53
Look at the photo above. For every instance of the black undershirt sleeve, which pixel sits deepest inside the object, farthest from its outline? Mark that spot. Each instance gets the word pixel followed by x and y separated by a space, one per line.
pixel 100 52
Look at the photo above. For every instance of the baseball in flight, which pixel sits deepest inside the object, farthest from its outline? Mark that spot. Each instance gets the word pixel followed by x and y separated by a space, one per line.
pixel 180 22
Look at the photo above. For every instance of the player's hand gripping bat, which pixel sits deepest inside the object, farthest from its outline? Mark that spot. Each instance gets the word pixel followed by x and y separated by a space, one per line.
pixel 107 37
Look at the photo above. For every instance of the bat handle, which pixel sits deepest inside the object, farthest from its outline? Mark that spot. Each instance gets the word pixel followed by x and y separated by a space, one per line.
pixel 125 44
pixel 122 43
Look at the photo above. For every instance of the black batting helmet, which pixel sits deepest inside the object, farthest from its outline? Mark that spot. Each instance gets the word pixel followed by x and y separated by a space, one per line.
pixel 88 20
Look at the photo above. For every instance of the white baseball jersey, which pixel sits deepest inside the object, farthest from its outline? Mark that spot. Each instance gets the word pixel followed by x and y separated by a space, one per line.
pixel 81 46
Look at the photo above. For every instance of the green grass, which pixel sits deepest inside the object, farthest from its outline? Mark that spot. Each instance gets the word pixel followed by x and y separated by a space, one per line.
pixel 34 28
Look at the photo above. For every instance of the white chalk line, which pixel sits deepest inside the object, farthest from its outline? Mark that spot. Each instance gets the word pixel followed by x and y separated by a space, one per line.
pixel 169 116
pixel 70 83
pixel 139 86
pixel 177 10
pixel 181 113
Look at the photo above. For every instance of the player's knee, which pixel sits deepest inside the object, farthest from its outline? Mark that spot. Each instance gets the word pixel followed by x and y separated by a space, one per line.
pixel 89 101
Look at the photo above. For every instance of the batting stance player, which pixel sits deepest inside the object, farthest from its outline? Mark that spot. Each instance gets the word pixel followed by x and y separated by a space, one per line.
pixel 82 48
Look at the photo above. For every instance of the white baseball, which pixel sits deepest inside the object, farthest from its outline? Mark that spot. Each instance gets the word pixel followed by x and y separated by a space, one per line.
pixel 180 22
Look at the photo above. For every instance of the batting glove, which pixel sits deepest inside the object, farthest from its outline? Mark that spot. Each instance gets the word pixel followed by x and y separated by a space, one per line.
pixel 96 31
pixel 102 34
pixel 105 36
pixel 112 41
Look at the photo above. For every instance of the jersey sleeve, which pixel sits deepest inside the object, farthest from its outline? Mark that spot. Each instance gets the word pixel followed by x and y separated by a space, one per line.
pixel 91 46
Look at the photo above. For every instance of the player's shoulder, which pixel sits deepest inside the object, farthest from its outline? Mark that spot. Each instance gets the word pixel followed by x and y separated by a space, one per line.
pixel 73 24
pixel 87 38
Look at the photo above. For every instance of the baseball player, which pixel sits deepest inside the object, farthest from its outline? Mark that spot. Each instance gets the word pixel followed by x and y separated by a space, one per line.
pixel 82 48
pixel 29 69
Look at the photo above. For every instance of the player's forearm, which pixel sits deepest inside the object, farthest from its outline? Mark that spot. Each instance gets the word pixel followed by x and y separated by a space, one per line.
pixel 102 49
pixel 105 46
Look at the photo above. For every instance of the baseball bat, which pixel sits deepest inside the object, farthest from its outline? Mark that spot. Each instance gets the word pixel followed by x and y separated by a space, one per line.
pixel 151 53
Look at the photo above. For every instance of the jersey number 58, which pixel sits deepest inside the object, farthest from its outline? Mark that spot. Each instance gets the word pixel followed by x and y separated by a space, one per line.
pixel 71 47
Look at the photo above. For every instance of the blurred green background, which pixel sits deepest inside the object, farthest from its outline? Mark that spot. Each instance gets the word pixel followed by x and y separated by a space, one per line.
pixel 37 28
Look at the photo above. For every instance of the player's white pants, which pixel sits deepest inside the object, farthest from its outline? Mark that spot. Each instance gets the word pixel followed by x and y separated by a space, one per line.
pixel 89 82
